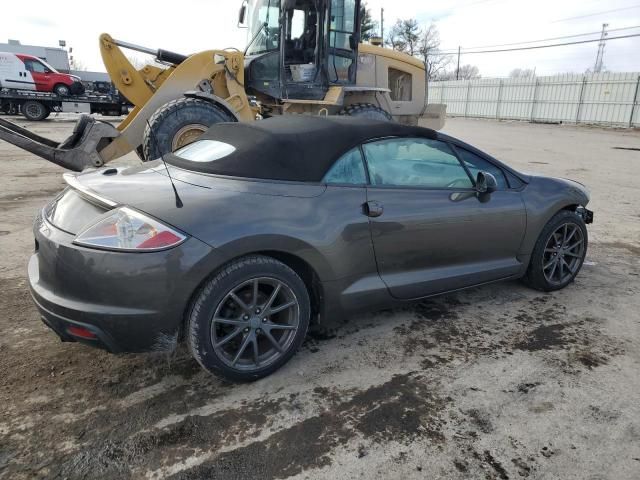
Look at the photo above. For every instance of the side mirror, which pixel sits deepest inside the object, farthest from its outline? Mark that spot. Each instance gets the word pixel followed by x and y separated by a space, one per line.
pixel 486 183
pixel 242 14
pixel 46 70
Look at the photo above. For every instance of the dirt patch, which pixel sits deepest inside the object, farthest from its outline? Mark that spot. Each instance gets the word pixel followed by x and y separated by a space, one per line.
pixel 400 410
pixel 543 338
pixel 71 411
pixel 634 249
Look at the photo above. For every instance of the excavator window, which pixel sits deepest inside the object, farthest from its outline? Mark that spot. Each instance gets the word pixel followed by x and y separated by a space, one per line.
pixel 300 52
pixel 343 32
pixel 264 25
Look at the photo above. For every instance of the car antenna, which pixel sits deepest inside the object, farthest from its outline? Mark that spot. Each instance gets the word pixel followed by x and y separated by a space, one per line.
pixel 179 203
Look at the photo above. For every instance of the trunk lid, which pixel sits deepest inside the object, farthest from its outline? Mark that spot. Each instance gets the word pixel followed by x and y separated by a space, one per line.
pixel 148 189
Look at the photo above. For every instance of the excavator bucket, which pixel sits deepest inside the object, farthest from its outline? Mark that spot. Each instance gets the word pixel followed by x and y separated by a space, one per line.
pixel 76 153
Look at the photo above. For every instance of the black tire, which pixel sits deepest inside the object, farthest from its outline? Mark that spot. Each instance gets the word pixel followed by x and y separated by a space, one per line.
pixel 366 110
pixel 140 152
pixel 34 111
pixel 547 250
pixel 166 124
pixel 62 90
pixel 214 301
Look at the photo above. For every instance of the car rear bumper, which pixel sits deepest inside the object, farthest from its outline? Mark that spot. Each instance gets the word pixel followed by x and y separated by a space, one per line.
pixel 62 326
pixel 129 302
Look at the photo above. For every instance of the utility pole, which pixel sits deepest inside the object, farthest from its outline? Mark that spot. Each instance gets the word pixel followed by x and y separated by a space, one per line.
pixel 458 67
pixel 597 68
pixel 382 25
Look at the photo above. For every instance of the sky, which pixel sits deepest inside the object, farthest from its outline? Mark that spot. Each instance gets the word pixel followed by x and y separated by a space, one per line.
pixel 196 25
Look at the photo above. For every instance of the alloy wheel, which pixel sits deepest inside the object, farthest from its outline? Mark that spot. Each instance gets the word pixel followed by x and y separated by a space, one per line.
pixel 255 323
pixel 563 253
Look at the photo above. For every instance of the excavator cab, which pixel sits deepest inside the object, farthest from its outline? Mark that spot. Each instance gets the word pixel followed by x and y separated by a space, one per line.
pixel 298 48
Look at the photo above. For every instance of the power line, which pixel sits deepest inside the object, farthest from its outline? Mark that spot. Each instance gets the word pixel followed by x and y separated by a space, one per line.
pixel 541 46
pixel 595 14
pixel 545 39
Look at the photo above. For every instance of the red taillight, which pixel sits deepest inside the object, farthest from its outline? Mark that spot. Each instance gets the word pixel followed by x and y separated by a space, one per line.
pixel 162 239
pixel 127 229
pixel 81 332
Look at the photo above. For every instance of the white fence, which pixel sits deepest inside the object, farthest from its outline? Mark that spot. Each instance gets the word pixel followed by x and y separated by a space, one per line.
pixel 601 98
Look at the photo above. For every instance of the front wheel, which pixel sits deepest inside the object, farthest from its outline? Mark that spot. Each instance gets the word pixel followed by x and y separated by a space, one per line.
pixel 61 90
pixel 249 319
pixel 559 253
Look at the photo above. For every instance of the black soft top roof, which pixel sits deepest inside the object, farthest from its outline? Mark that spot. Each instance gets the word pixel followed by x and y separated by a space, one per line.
pixel 292 147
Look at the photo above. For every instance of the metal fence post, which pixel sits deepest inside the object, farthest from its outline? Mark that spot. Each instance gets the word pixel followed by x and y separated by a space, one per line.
pixel 533 103
pixel 442 85
pixel 635 102
pixel 466 101
pixel 580 98
pixel 499 99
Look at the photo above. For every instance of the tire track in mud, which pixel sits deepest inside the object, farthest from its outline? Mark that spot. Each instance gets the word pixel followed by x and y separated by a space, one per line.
pixel 544 325
pixel 400 410
pixel 120 441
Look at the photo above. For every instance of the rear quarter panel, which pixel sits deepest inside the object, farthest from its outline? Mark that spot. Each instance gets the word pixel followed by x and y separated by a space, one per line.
pixel 324 226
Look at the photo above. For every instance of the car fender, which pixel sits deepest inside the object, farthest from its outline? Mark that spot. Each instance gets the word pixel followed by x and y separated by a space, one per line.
pixel 543 198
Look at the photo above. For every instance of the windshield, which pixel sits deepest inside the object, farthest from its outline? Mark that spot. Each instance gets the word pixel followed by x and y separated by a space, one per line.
pixel 261 12
pixel 48 66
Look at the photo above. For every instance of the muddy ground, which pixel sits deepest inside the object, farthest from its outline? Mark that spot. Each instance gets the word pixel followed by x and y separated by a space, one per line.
pixel 498 382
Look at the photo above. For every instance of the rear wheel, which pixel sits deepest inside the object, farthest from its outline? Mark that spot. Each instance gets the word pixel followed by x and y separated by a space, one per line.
pixel 366 110
pixel 559 252
pixel 178 123
pixel 62 90
pixel 34 111
pixel 249 319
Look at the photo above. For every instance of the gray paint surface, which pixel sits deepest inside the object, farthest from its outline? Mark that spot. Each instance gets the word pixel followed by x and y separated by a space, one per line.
pixel 426 242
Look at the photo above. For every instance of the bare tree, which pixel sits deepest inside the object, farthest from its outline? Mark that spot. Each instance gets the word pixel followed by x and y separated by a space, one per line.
pixel 404 36
pixel 466 72
pixel 407 36
pixel 79 65
pixel 429 52
pixel 522 73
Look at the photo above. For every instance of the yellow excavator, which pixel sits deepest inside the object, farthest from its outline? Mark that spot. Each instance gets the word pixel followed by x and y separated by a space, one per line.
pixel 302 57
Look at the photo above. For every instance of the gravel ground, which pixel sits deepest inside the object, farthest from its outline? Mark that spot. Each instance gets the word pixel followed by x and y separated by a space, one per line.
pixel 497 382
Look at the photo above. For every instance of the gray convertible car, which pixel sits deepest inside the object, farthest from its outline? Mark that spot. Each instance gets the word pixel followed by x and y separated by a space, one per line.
pixel 238 241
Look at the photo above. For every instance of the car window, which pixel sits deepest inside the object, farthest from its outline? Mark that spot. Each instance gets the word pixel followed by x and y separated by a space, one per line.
pixel 34 66
pixel 476 164
pixel 205 151
pixel 416 162
pixel 347 169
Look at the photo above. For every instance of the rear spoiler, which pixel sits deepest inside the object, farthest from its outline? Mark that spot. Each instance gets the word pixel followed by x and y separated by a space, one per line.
pixel 72 180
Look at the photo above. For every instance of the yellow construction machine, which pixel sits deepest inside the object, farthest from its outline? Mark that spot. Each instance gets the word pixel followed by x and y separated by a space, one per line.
pixel 302 57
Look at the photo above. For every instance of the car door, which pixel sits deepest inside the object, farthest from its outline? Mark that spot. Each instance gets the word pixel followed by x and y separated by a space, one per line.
pixel 41 75
pixel 431 231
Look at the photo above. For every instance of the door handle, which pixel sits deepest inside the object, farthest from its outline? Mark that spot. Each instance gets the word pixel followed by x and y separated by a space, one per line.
pixel 372 208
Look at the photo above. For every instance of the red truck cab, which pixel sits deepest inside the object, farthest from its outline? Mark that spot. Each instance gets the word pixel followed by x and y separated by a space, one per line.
pixel 26 72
